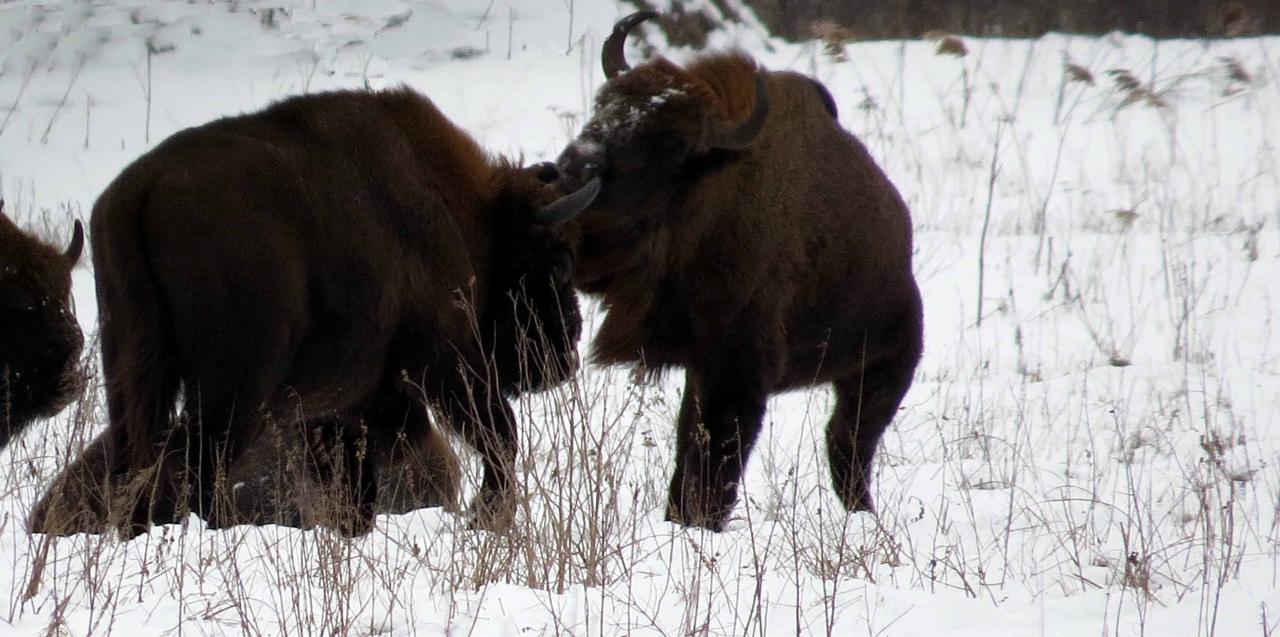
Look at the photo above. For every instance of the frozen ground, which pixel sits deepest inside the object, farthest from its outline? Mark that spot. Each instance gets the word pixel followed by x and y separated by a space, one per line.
pixel 1090 447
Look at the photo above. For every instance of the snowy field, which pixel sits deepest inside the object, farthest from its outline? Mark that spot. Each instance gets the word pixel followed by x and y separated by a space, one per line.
pixel 1091 445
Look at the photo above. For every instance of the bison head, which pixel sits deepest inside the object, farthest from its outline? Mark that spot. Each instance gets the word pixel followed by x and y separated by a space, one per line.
pixel 40 340
pixel 533 322
pixel 659 123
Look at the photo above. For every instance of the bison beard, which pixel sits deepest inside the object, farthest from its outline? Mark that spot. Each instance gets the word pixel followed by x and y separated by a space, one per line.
pixel 40 339
pixel 335 262
pixel 742 235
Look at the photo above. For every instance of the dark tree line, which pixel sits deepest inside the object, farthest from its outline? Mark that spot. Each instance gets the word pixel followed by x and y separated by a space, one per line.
pixel 885 19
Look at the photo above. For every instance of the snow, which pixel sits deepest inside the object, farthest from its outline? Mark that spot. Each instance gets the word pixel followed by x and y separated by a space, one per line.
pixel 1090 445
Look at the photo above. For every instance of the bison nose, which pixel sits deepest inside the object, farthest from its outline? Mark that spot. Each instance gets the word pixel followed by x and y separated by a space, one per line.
pixel 546 172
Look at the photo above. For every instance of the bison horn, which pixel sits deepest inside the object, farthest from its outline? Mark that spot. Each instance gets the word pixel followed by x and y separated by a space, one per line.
pixel 611 55
pixel 740 136
pixel 77 244
pixel 568 206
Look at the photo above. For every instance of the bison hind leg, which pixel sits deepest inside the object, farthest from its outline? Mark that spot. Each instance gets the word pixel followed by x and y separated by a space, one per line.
pixel 422 473
pixel 345 491
pixel 865 405
pixel 80 498
pixel 262 486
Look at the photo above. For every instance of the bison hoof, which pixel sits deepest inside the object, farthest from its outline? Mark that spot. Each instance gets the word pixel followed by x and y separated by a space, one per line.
pixel 57 519
pixel 704 520
pixel 491 511
pixel 858 501
pixel 68 508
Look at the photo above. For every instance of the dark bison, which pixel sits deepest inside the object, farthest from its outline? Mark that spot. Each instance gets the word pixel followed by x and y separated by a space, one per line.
pixel 40 339
pixel 742 234
pixel 337 261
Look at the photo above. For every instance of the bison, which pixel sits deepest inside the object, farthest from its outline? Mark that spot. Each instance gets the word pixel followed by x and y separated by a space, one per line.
pixel 741 234
pixel 338 261
pixel 40 339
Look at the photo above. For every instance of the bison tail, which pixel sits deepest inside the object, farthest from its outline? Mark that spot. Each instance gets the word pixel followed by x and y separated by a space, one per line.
pixel 138 355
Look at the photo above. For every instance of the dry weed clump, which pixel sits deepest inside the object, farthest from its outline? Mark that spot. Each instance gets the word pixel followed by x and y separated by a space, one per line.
pixel 834 37
pixel 1076 72
pixel 1134 90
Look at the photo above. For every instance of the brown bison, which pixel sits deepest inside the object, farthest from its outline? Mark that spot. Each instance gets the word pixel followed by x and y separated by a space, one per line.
pixel 40 339
pixel 743 235
pixel 336 261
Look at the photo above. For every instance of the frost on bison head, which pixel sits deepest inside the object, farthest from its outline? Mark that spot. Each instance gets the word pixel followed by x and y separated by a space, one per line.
pixel 40 340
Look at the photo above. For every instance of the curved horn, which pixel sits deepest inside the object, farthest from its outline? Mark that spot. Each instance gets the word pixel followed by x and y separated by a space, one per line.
pixel 611 55
pixel 740 136
pixel 77 244
pixel 568 206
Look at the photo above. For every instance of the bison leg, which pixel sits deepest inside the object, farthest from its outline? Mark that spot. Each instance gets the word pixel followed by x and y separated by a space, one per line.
pixel 97 491
pixel 395 447
pixel 263 484
pixel 477 411
pixel 79 499
pixel 217 424
pixel 94 492
pixel 866 402
pixel 386 440
pixel 720 419
pixel 341 454
pixel 416 466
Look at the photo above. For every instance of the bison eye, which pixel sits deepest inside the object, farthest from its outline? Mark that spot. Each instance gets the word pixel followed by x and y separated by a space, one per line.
pixel 562 268
pixel 16 299
pixel 673 147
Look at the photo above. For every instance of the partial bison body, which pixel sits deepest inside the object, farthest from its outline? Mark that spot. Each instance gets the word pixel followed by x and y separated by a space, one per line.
pixel 741 234
pixel 40 339
pixel 336 261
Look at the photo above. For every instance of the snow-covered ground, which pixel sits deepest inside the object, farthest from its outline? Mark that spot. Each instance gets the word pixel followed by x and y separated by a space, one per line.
pixel 1090 447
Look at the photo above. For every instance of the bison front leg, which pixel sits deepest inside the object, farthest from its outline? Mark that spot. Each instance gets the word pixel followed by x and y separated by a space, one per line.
pixel 720 419
pixel 494 436
pixel 478 412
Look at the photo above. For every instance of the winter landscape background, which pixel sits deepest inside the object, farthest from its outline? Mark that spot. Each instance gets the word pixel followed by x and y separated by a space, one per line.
pixel 1090 445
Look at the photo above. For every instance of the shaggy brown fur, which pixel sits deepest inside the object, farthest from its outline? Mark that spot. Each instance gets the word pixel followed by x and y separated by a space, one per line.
pixel 40 339
pixel 337 259
pixel 781 261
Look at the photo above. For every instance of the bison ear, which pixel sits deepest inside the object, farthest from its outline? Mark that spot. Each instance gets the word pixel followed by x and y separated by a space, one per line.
pixel 568 206
pixel 77 244
pixel 736 137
